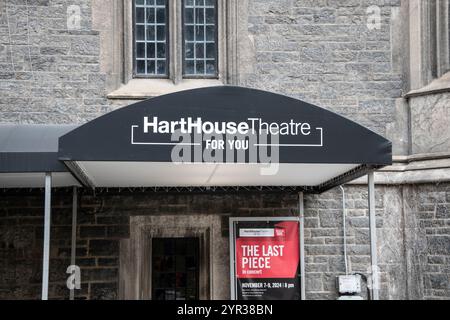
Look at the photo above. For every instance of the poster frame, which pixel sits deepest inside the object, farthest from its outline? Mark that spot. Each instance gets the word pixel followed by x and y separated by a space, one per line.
pixel 233 221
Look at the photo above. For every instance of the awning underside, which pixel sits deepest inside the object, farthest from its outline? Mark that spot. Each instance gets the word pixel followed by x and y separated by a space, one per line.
pixel 141 174
pixel 36 180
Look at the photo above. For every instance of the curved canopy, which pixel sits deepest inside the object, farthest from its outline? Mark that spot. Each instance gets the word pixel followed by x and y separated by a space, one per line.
pixel 222 136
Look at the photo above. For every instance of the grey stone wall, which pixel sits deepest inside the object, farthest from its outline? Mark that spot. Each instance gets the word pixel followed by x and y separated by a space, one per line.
pixel 427 239
pixel 323 52
pixel 413 247
pixel 324 240
pixel 430 119
pixel 48 74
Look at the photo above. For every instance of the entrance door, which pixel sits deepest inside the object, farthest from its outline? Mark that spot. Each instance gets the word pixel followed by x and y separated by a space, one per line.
pixel 175 268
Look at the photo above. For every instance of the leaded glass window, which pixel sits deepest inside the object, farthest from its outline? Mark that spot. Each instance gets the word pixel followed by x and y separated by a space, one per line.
pixel 151 38
pixel 200 38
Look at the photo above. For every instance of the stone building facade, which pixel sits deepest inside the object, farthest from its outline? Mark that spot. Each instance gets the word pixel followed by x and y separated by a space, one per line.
pixel 391 77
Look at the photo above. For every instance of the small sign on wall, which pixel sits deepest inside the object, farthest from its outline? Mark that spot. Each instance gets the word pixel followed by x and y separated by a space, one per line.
pixel 265 259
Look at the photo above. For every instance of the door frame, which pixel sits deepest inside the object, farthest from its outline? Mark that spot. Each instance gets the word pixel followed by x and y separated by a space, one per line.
pixel 135 267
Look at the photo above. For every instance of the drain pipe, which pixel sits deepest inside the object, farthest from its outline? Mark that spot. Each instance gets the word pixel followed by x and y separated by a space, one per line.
pixel 344 227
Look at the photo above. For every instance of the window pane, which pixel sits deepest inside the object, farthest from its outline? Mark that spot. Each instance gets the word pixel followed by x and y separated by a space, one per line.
pixel 200 67
pixel 161 34
pixel 140 15
pixel 199 16
pixel 161 50
pixel 189 33
pixel 189 15
pixel 150 37
pixel 151 66
pixel 161 15
pixel 189 51
pixel 151 50
pixel 210 50
pixel 210 67
pixel 210 33
pixel 140 66
pixel 190 67
pixel 200 34
pixel 140 33
pixel 210 16
pixel 150 33
pixel 161 67
pixel 140 50
pixel 150 15
pixel 199 50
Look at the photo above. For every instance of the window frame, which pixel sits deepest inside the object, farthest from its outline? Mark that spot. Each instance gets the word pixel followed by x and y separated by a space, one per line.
pixel 135 75
pixel 122 83
pixel 183 45
pixel 442 37
pixel 429 46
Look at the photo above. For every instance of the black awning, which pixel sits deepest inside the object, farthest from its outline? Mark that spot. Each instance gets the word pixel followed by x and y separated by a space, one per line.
pixel 31 148
pixel 29 151
pixel 108 138
pixel 135 146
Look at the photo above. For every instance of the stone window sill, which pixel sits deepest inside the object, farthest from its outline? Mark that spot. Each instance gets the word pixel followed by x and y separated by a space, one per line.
pixel 141 89
pixel 436 86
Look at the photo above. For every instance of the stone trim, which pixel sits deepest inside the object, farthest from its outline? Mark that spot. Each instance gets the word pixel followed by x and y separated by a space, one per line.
pixel 142 89
pixel 415 169
pixel 440 85
pixel 421 157
pixel 107 19
pixel 407 177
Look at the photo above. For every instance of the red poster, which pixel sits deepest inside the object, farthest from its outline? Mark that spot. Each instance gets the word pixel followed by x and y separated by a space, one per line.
pixel 267 260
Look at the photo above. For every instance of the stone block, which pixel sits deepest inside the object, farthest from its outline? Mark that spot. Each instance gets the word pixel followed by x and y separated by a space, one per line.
pixel 103 247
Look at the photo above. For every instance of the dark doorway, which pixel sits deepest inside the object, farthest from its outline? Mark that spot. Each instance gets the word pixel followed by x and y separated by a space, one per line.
pixel 175 268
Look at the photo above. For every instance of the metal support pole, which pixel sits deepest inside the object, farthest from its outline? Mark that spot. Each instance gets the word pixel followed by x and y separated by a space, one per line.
pixel 73 250
pixel 344 229
pixel 302 245
pixel 373 238
pixel 47 221
pixel 232 260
